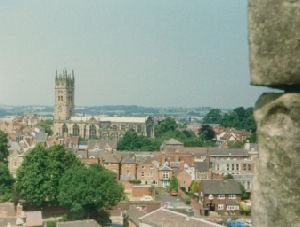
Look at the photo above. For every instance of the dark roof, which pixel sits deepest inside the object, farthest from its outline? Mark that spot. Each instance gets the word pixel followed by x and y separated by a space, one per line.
pixel 220 187
pixel 201 166
pixel 144 159
pixel 227 152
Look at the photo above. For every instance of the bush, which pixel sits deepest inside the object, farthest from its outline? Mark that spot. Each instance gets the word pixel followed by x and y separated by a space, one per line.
pixel 135 181
pixel 188 200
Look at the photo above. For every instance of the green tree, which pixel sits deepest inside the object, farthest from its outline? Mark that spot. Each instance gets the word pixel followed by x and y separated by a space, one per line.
pixel 167 125
pixel 6 183
pixel 207 133
pixel 214 116
pixel 173 184
pixel 3 146
pixel 85 191
pixel 39 175
pixel 195 186
pixel 131 141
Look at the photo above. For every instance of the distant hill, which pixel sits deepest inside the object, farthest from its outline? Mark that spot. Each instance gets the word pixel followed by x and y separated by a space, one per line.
pixel 133 110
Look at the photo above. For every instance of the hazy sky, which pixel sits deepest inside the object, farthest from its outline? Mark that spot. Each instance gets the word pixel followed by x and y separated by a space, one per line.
pixel 143 52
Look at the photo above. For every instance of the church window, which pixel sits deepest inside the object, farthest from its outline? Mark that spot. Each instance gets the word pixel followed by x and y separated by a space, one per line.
pixel 75 130
pixel 93 132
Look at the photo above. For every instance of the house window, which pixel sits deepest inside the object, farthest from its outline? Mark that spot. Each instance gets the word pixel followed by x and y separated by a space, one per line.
pixel 221 196
pixel 143 167
pixel 218 167
pixel 165 175
pixel 249 167
pixel 220 206
pixel 142 174
pixel 237 167
pixel 232 207
pixel 227 167
pixel 231 196
pixel 232 166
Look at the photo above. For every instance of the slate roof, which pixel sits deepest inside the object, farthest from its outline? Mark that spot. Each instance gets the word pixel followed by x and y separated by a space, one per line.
pixel 128 159
pixel 111 158
pixel 220 187
pixel 201 166
pixel 227 152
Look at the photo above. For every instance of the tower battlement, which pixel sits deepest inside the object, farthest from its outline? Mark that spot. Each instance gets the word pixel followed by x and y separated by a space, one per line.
pixel 65 78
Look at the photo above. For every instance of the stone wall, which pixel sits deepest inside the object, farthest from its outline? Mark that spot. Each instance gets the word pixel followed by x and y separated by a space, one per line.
pixel 274 35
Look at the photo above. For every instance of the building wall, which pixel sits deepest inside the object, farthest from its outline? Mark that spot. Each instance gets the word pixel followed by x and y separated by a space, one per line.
pixel 147 173
pixel 128 172
pixel 226 201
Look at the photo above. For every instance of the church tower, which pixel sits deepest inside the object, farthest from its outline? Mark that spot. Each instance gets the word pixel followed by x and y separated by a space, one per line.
pixel 64 96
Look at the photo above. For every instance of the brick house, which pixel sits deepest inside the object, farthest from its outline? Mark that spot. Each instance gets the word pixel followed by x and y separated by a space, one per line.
pixel 147 170
pixel 220 195
pixel 128 167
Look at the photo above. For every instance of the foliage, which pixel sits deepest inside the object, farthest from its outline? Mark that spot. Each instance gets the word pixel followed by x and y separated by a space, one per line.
pixel 167 125
pixel 3 146
pixel 173 184
pixel 135 181
pixel 40 173
pixel 131 141
pixel 207 133
pixel 195 185
pixel 214 116
pixel 239 118
pixel 166 129
pixel 85 191
pixel 6 183
pixel 46 125
pixel 245 194
pixel 187 200
pixel 235 144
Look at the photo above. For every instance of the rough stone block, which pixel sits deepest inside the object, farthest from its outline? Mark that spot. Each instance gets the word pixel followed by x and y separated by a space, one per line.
pixel 274 36
pixel 276 192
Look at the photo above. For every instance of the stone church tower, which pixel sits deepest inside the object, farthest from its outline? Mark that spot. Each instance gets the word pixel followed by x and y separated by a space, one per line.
pixel 64 96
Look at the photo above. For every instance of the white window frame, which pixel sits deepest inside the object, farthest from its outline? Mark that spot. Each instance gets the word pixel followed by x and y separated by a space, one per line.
pixel 231 196
pixel 221 196
pixel 220 206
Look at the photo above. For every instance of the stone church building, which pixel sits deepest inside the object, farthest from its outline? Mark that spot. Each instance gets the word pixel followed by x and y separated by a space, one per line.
pixel 91 127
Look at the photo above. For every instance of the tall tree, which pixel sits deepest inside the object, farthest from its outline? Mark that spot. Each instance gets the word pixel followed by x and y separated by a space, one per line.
pixel 214 116
pixel 167 125
pixel 39 175
pixel 207 133
pixel 87 190
pixel 3 146
pixel 6 183
pixel 174 184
